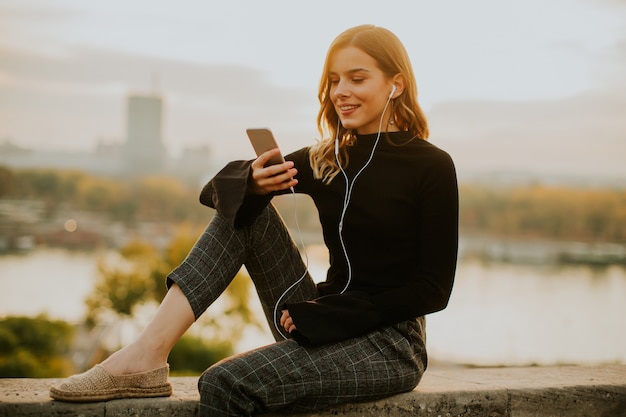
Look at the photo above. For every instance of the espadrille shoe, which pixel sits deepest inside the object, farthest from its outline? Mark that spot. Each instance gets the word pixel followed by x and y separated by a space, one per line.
pixel 99 385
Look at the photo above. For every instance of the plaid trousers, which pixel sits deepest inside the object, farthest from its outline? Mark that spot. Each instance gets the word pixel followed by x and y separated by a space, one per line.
pixel 285 376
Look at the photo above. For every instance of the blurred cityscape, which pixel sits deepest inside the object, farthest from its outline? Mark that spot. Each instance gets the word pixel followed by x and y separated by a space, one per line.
pixel 553 247
pixel 141 153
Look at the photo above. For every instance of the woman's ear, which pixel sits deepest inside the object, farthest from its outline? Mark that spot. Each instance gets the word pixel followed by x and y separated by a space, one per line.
pixel 398 83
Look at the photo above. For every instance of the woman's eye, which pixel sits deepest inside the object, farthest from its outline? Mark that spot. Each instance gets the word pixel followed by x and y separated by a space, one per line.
pixel 333 81
pixel 357 80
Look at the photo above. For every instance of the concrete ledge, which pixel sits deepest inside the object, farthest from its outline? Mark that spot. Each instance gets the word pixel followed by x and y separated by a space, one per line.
pixel 572 391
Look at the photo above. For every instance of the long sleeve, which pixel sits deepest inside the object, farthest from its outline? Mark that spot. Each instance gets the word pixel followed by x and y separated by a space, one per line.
pixel 413 279
pixel 226 193
pixel 400 235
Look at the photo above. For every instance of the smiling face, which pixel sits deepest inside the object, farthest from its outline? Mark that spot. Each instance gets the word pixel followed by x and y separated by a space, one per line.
pixel 359 91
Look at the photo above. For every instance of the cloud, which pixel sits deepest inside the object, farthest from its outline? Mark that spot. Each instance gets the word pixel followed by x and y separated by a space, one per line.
pixel 71 91
pixel 70 101
pixel 611 75
pixel 580 136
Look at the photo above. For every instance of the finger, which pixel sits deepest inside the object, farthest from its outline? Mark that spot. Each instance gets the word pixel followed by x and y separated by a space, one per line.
pixel 283 180
pixel 260 165
pixel 280 169
pixel 265 157
pixel 287 322
pixel 267 180
pixel 289 325
pixel 284 316
pixel 260 171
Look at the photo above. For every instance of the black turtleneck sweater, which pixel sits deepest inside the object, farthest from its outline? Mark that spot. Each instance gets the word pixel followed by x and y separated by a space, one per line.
pixel 400 232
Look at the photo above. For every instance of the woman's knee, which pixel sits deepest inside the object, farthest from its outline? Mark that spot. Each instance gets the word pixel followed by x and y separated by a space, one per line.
pixel 222 392
pixel 214 380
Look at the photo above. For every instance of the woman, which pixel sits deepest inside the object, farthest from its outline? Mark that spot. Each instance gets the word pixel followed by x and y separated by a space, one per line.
pixel 388 205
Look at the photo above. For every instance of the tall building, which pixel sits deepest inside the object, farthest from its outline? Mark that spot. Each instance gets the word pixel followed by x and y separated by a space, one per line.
pixel 144 149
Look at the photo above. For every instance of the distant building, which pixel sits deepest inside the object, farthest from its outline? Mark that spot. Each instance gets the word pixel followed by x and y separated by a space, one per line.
pixel 141 152
pixel 98 162
pixel 144 150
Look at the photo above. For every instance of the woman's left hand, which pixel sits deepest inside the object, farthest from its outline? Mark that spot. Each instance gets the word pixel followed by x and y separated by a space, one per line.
pixel 287 322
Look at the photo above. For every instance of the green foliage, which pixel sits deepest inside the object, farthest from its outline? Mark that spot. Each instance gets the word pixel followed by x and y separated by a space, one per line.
pixel 165 198
pixel 129 200
pixel 48 184
pixel 192 355
pixel 550 212
pixel 7 182
pixel 34 347
pixel 127 282
pixel 138 277
pixel 559 213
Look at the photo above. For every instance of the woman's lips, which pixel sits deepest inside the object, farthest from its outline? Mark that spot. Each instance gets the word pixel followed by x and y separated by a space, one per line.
pixel 347 109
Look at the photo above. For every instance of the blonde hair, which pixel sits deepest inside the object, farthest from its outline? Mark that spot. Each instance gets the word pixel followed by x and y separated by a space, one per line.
pixel 392 59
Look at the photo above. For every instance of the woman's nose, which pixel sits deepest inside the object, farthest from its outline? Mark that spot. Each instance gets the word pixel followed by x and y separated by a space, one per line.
pixel 341 89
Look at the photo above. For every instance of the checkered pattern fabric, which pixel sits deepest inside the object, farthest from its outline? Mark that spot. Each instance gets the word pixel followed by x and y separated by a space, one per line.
pixel 285 375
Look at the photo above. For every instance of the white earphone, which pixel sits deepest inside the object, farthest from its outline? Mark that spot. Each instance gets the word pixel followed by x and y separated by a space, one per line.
pixel 393 90
pixel 349 184
pixel 347 196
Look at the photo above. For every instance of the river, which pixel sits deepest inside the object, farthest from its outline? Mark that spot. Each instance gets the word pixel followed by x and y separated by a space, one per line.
pixel 499 313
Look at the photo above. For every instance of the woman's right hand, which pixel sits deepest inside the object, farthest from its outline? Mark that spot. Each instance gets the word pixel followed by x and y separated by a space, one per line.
pixel 264 180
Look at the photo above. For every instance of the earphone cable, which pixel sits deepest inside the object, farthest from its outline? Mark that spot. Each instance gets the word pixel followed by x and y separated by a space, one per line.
pixel 346 201
pixel 350 188
pixel 304 274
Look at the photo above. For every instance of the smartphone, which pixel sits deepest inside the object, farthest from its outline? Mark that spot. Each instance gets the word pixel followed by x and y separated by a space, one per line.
pixel 262 140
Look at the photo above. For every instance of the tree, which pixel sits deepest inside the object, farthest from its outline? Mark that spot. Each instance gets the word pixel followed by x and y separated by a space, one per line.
pixel 34 347
pixel 193 354
pixel 126 283
pixel 137 277
pixel 7 179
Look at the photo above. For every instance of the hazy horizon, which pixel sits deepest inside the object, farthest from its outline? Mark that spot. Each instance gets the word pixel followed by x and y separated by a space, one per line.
pixel 523 87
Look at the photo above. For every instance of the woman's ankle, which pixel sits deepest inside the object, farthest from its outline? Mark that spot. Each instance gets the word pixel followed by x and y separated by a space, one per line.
pixel 130 360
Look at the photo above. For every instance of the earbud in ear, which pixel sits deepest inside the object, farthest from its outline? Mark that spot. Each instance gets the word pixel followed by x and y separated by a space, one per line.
pixel 393 90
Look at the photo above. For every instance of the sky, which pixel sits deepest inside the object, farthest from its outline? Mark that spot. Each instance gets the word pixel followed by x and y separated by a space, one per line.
pixel 528 85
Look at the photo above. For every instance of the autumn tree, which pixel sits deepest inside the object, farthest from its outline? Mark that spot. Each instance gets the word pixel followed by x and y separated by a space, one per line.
pixel 7 181
pixel 137 278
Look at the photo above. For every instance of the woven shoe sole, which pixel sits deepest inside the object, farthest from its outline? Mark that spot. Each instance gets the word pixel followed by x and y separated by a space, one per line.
pixel 99 385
